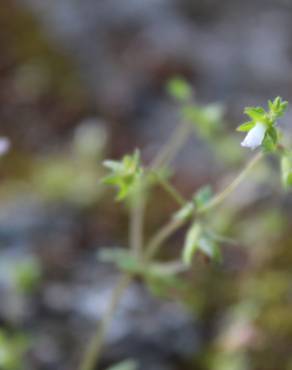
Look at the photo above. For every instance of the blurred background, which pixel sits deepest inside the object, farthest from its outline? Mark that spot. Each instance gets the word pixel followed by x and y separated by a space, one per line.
pixel 84 80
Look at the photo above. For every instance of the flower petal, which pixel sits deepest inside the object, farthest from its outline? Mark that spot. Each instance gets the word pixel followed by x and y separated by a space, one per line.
pixel 255 136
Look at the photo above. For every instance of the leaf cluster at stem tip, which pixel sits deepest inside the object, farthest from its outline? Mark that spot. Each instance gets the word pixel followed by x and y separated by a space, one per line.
pixel 258 114
pixel 125 174
pixel 261 128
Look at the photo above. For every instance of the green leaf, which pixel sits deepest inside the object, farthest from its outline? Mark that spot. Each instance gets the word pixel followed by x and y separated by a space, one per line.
pixel 209 247
pixel 12 350
pixel 255 113
pixel 126 174
pixel 125 365
pixel 277 108
pixel 203 196
pixel 112 165
pixel 185 212
pixel 191 243
pixel 121 258
pixel 247 126
pixel 179 89
pixel 207 120
pixel 163 285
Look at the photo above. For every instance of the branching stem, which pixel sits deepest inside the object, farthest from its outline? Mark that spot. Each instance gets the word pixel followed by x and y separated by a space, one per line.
pixel 173 225
pixel 219 198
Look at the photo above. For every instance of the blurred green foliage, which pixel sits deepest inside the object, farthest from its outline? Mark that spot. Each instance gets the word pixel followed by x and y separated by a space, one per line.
pixel 125 365
pixel 179 89
pixel 12 349
pixel 27 276
pixel 74 175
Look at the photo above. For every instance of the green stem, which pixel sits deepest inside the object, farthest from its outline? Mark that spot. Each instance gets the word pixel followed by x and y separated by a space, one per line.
pixel 95 347
pixel 171 268
pixel 136 241
pixel 173 225
pixel 172 147
pixel 165 232
pixel 136 225
pixel 219 198
pixel 171 190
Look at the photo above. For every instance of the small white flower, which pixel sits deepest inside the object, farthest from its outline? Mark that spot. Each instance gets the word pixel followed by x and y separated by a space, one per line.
pixel 4 145
pixel 255 136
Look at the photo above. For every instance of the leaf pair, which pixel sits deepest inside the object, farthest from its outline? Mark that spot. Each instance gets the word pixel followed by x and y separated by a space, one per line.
pixel 197 239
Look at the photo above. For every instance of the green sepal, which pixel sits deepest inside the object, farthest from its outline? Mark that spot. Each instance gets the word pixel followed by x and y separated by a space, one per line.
pixel 270 141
